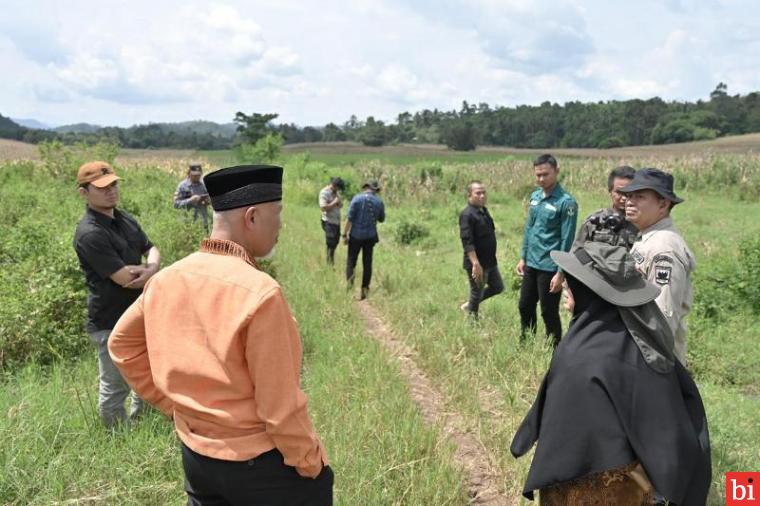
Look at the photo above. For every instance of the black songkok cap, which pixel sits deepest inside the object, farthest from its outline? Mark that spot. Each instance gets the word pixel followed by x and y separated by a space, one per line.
pixel 243 185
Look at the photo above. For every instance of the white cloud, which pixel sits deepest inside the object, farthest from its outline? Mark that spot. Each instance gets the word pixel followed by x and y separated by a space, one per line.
pixel 313 63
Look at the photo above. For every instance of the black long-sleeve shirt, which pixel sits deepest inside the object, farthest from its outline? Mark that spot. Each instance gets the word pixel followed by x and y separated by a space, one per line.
pixel 477 231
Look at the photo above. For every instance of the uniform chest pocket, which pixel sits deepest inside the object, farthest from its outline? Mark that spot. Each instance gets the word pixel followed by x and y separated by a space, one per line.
pixel 548 213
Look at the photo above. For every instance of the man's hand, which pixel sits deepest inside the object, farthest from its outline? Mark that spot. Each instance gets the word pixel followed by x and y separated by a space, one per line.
pixel 345 239
pixel 142 274
pixel 555 285
pixel 569 300
pixel 477 272
pixel 520 269
pixel 195 199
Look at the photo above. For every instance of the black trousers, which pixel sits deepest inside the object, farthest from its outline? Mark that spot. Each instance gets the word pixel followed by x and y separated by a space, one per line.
pixel 332 238
pixel 492 285
pixel 354 247
pixel 263 481
pixel 535 289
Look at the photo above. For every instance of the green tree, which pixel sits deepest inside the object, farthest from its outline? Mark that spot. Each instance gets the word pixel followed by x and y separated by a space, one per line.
pixel 254 127
pixel 459 135
pixel 333 133
pixel 266 150
pixel 373 133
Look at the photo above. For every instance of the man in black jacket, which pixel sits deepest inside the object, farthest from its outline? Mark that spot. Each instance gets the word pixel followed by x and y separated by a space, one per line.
pixel 477 231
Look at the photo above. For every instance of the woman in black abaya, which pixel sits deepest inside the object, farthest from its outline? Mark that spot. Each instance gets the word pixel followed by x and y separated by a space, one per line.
pixel 618 420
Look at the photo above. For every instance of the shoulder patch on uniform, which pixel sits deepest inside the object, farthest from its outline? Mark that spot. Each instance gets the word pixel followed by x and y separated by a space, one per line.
pixel 662 274
pixel 637 256
pixel 570 210
pixel 662 258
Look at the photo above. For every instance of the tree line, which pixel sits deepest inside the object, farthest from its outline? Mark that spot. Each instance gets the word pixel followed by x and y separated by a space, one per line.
pixel 191 135
pixel 549 125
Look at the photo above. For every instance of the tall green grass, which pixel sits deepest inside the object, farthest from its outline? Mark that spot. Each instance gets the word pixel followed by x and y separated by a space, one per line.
pixel 485 372
pixel 52 446
pixel 53 450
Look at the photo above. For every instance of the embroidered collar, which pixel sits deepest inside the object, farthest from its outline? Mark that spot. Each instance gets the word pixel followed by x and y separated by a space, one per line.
pixel 230 248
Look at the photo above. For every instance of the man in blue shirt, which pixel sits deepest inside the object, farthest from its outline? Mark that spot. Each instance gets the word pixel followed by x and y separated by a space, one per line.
pixel 552 217
pixel 365 211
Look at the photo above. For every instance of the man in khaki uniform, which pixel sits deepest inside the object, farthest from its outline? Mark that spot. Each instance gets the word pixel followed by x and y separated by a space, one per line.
pixel 660 252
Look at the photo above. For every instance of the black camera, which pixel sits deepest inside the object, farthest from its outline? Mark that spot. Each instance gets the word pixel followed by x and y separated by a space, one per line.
pixel 611 222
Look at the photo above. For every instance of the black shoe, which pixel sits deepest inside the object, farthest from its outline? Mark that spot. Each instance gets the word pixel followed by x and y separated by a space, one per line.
pixel 365 292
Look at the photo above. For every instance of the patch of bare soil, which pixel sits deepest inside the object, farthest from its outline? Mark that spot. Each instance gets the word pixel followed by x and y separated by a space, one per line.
pixel 482 481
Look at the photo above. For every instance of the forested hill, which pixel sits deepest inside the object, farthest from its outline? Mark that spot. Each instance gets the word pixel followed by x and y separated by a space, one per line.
pixel 572 125
pixel 10 129
pixel 188 135
pixel 549 125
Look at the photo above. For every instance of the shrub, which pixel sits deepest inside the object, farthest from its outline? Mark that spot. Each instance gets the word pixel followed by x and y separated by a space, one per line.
pixel 430 173
pixel 611 142
pixel 61 161
pixel 724 288
pixel 409 232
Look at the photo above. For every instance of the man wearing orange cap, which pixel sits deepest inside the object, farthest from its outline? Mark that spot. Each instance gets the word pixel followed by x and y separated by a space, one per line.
pixel 110 245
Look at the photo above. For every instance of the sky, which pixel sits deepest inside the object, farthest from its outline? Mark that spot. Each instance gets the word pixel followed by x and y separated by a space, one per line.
pixel 128 62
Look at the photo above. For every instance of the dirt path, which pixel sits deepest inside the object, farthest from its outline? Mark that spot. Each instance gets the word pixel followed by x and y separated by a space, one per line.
pixel 482 482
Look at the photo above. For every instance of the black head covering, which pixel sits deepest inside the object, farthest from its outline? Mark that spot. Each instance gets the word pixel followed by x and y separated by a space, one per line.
pixel 244 185
pixel 610 273
pixel 653 179
pixel 601 407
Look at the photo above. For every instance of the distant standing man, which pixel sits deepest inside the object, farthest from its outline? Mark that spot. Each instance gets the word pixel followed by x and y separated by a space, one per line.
pixel 110 245
pixel 212 344
pixel 330 204
pixel 365 211
pixel 609 225
pixel 191 194
pixel 661 253
pixel 552 217
pixel 478 235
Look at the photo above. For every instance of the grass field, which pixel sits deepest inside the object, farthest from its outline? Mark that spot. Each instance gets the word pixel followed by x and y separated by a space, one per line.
pixel 52 449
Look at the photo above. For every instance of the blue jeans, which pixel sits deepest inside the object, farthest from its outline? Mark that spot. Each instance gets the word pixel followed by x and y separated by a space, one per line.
pixel 113 390
pixel 491 285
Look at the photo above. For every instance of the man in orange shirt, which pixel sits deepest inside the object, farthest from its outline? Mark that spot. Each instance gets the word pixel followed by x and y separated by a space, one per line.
pixel 212 343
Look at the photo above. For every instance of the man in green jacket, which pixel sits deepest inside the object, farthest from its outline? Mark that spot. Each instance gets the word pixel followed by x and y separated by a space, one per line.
pixel 552 216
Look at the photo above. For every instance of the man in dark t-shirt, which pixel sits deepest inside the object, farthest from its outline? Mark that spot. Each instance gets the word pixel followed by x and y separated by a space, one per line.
pixel 478 235
pixel 110 246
